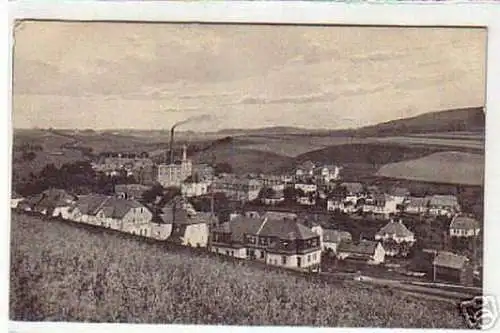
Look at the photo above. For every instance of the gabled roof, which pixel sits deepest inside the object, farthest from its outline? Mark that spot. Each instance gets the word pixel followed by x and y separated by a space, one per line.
pixel 286 229
pixel 280 228
pixel 365 247
pixel 279 215
pixel 336 236
pixel 240 226
pixel 353 187
pixel 88 204
pixel 399 192
pixel 118 208
pixel 444 200
pixel 418 201
pixel 450 260
pixel 395 228
pixel 111 207
pixel 52 198
pixel 464 223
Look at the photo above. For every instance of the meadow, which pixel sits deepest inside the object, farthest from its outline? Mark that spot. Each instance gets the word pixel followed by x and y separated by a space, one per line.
pixel 444 167
pixel 60 272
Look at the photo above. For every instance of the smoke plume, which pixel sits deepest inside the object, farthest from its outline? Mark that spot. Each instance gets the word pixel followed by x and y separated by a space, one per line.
pixel 190 120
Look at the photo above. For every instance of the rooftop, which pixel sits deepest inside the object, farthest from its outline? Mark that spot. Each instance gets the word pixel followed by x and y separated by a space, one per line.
pixel 365 247
pixel 336 236
pixel 450 260
pixel 395 228
pixel 464 223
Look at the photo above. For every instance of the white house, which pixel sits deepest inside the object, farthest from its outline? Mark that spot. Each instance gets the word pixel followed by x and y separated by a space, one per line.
pixel 381 204
pixel 111 212
pixel 306 169
pixel 443 205
pixel 464 226
pixel 195 189
pixel 277 242
pixel 417 205
pixel 399 194
pixel 327 173
pixel 188 228
pixel 332 238
pixel 345 206
pixel 306 187
pixel 396 238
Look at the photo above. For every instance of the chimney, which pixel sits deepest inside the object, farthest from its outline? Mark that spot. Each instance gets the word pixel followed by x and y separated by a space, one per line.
pixel 184 153
pixel 172 130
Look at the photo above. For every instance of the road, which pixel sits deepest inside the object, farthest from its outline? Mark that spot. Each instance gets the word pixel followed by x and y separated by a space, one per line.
pixel 431 291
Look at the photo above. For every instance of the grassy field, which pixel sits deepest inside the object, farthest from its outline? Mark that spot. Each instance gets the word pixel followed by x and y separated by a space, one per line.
pixel 445 167
pixel 63 273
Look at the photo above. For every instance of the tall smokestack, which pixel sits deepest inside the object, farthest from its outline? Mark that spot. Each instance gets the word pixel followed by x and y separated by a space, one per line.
pixel 172 130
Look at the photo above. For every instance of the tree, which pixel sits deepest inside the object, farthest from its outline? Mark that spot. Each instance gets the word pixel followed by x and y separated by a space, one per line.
pixel 223 167
pixel 266 192
pixel 150 195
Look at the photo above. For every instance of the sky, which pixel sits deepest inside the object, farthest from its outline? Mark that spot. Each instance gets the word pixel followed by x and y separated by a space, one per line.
pixel 150 76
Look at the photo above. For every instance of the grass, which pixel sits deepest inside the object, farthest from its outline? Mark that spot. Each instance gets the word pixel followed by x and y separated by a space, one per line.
pixel 63 273
pixel 445 167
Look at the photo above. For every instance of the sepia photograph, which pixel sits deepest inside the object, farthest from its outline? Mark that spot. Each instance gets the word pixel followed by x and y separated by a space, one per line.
pixel 248 174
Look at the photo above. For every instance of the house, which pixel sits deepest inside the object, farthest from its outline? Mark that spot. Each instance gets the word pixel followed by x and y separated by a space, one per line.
pixel 399 194
pixel 416 205
pixel 15 199
pixel 125 215
pixel 464 226
pixel 131 191
pixel 111 162
pixel 238 188
pixel 344 206
pixel 451 267
pixel 396 238
pixel 326 173
pixel 305 170
pixel 277 242
pixel 380 204
pixel 354 191
pixel 308 200
pixel 366 251
pixel 203 172
pixel 273 198
pixel 332 238
pixel 195 187
pixel 443 205
pixel 188 228
pixel 52 202
pixel 307 188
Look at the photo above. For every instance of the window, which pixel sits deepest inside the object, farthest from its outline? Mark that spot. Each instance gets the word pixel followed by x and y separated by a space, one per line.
pixel 299 261
pixel 309 258
pixel 261 254
pixel 283 260
pixel 314 257
pixel 227 252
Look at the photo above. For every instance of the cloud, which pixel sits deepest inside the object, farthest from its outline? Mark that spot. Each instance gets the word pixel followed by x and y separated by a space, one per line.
pixel 322 97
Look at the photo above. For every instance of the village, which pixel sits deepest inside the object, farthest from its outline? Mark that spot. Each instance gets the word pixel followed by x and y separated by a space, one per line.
pixel 308 220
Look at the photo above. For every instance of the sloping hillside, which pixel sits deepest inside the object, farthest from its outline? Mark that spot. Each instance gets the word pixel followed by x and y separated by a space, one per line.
pixel 467 119
pixel 444 167
pixel 243 160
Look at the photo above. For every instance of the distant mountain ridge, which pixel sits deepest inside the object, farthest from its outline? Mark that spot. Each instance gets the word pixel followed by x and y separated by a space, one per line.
pixel 464 119
pixel 458 120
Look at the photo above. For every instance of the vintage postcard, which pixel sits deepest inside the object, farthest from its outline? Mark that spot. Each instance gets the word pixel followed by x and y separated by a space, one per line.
pixel 248 174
